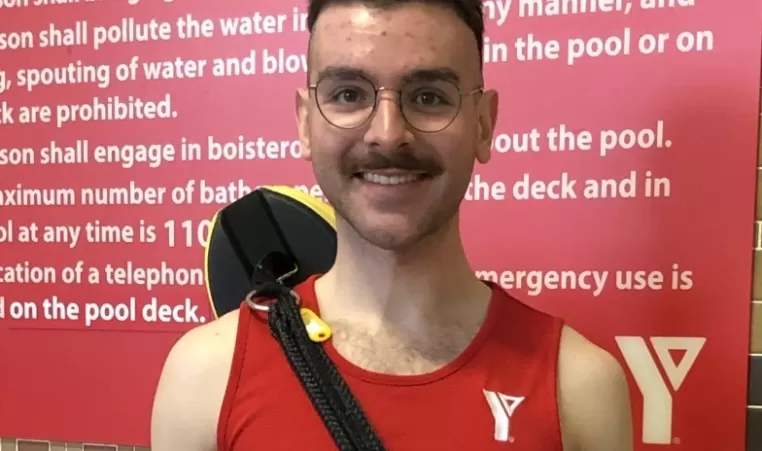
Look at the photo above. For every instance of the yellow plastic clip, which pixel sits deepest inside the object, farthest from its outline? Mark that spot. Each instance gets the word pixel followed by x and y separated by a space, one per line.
pixel 316 328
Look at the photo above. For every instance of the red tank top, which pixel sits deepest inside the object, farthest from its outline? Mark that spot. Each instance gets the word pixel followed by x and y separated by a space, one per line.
pixel 499 394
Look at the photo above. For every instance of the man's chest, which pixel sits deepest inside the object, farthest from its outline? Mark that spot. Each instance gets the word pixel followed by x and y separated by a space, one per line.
pixel 405 354
pixel 469 410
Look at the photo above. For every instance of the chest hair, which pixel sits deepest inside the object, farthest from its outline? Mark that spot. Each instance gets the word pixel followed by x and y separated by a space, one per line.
pixel 401 352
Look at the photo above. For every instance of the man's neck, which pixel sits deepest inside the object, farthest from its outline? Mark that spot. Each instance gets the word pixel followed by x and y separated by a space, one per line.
pixel 431 284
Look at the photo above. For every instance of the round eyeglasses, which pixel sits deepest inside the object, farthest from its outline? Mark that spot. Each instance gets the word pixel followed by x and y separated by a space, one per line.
pixel 427 106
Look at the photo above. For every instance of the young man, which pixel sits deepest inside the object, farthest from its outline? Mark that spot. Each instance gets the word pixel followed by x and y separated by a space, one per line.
pixel 393 120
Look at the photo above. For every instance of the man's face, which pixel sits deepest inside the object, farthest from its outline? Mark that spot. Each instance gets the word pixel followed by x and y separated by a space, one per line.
pixel 393 183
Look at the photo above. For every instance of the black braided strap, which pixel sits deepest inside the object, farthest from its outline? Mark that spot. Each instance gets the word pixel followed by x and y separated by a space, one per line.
pixel 328 391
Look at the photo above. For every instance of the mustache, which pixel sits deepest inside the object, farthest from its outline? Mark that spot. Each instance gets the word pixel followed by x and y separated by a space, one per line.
pixel 405 160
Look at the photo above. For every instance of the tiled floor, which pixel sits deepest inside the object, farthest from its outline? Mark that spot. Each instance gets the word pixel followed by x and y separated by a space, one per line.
pixel 32 445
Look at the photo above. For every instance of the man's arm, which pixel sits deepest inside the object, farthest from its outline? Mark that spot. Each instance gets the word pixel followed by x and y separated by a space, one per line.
pixel 594 398
pixel 191 387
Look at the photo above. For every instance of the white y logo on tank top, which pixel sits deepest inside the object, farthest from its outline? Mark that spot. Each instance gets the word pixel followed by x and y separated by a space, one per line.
pixel 502 407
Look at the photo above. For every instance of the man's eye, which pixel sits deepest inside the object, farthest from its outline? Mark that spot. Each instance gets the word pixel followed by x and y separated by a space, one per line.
pixel 347 96
pixel 428 98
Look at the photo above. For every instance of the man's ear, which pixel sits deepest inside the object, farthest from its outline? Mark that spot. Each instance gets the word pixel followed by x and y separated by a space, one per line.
pixel 302 103
pixel 488 109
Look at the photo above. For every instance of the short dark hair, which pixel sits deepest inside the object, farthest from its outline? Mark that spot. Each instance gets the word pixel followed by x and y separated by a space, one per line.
pixel 469 11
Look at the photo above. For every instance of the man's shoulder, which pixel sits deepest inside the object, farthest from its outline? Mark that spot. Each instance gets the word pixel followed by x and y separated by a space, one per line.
pixel 192 385
pixel 580 356
pixel 202 355
pixel 586 369
pixel 209 344
pixel 592 391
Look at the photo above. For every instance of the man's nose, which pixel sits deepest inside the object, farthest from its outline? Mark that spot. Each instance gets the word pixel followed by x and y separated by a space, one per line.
pixel 388 129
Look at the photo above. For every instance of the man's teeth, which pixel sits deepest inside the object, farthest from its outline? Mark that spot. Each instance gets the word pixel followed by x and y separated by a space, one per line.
pixel 389 179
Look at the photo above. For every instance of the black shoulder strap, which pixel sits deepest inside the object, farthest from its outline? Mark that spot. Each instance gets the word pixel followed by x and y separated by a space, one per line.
pixel 330 395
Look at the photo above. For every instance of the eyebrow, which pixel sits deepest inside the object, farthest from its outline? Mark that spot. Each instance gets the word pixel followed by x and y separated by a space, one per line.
pixel 417 75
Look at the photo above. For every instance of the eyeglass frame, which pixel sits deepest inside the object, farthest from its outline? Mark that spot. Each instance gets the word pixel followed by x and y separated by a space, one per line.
pixel 313 88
